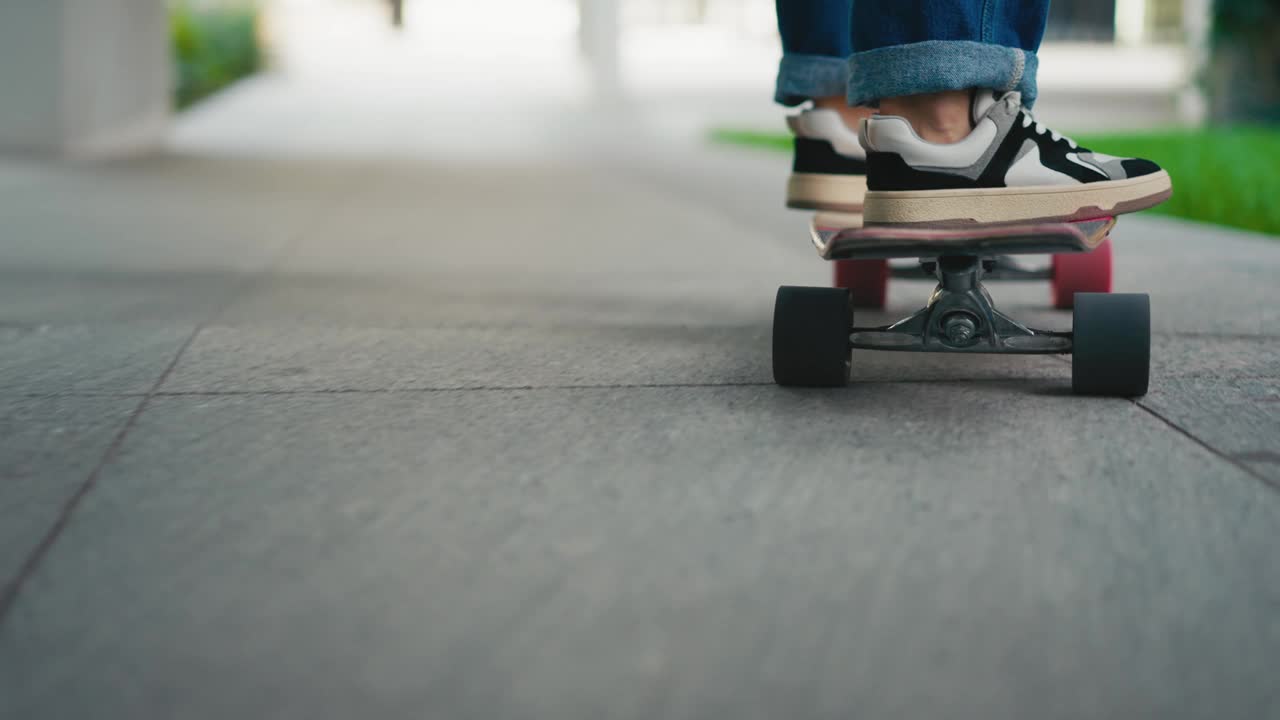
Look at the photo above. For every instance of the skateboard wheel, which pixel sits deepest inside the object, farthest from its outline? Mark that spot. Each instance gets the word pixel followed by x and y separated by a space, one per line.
pixel 811 336
pixel 866 280
pixel 1111 344
pixel 1088 272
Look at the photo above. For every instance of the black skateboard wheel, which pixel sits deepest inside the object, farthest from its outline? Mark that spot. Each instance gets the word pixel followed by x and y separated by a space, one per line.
pixel 866 280
pixel 811 336
pixel 1111 344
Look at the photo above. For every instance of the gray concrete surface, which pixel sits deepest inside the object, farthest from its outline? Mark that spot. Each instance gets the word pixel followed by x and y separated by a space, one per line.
pixel 352 436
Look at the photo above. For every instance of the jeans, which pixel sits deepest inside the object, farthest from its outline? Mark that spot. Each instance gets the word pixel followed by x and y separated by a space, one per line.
pixel 869 50
pixel 816 44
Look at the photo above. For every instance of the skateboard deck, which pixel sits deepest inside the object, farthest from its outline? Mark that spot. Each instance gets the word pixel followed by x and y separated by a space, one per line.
pixel 893 241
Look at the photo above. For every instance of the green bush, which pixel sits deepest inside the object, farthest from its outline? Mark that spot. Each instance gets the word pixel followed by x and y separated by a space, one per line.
pixel 212 48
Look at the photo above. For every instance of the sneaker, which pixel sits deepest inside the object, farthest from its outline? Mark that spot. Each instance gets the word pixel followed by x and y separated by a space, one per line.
pixel 830 167
pixel 1009 169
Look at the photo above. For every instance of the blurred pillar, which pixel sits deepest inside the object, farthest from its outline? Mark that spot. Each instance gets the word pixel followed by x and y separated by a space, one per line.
pixel 598 31
pixel 83 76
pixel 1193 107
pixel 1131 21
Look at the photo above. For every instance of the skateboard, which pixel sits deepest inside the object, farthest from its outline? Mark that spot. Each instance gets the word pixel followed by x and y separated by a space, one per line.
pixel 1067 273
pixel 814 332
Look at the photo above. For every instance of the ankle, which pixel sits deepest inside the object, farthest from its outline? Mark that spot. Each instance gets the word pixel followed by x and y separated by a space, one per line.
pixel 936 117
pixel 851 115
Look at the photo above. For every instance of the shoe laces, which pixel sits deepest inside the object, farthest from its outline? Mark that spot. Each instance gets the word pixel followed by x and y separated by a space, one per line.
pixel 1029 121
pixel 1014 99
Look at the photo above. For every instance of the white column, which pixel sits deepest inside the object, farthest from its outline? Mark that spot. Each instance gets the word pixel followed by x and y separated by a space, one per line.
pixel 1193 108
pixel 83 77
pixel 598 36
pixel 1131 21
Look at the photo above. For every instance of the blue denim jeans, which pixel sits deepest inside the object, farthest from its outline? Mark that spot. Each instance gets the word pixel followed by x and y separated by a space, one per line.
pixel 871 50
pixel 816 44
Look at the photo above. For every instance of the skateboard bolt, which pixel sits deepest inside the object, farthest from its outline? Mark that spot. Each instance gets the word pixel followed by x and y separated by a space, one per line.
pixel 959 329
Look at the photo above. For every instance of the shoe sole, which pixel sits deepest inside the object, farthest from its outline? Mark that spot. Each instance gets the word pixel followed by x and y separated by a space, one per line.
pixel 995 206
pixel 841 193
pixel 835 220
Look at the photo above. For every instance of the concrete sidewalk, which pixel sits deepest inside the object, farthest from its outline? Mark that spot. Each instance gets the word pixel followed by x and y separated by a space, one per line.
pixel 295 436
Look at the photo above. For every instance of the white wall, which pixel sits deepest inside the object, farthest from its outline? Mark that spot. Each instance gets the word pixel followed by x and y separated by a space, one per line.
pixel 83 76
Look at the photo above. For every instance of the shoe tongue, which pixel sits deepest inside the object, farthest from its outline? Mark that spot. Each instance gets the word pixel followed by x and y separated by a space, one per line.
pixel 983 101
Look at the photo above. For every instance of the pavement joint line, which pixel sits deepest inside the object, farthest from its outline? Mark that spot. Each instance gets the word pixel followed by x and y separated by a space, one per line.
pixel 1216 336
pixel 582 386
pixel 485 327
pixel 40 396
pixel 852 386
pixel 1266 481
pixel 1198 441
pixel 447 389
pixel 12 588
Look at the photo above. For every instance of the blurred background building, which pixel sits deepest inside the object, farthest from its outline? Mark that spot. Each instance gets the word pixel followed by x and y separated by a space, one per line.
pixel 91 77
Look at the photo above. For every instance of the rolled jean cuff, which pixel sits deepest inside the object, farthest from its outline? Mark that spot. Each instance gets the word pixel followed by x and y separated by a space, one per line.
pixel 805 77
pixel 938 65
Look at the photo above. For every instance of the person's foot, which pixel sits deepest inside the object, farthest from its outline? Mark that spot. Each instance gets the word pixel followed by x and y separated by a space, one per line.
pixel 1010 168
pixel 830 168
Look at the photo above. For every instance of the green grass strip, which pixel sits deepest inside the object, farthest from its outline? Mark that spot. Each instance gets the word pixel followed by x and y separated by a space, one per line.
pixel 1227 176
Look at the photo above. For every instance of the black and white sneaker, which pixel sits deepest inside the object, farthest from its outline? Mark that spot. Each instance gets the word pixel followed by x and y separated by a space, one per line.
pixel 830 166
pixel 1010 168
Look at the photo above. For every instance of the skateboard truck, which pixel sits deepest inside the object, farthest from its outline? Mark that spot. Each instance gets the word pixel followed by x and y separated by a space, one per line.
pixel 814 333
pixel 1000 267
pixel 960 317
